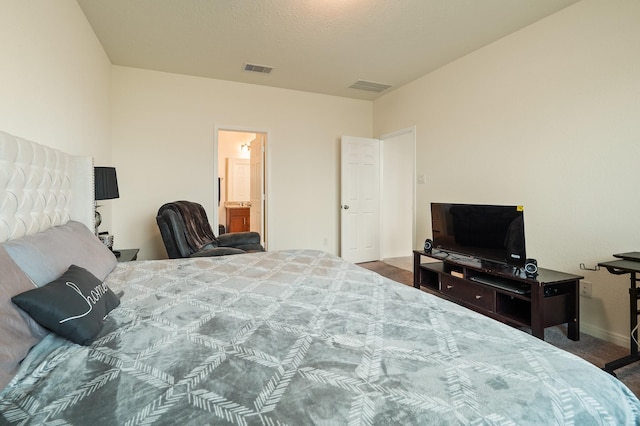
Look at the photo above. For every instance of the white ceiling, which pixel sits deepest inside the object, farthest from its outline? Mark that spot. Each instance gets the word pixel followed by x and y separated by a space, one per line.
pixel 321 46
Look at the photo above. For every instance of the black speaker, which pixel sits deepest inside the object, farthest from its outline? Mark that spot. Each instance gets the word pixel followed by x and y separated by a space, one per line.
pixel 531 267
pixel 428 245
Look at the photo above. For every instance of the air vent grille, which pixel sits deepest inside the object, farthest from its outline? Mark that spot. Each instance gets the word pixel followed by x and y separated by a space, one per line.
pixel 263 69
pixel 369 86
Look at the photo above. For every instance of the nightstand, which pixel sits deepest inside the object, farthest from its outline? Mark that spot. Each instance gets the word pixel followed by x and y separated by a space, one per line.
pixel 127 255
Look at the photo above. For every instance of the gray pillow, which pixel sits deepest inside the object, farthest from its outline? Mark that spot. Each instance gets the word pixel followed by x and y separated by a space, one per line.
pixel 73 306
pixel 18 332
pixel 47 255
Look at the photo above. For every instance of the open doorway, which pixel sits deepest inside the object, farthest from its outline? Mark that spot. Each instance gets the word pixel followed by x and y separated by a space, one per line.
pixel 398 190
pixel 377 216
pixel 240 175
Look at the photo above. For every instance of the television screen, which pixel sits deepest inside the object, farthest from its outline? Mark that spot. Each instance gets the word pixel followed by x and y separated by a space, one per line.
pixel 487 232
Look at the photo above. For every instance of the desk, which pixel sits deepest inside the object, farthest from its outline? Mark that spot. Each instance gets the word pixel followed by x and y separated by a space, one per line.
pixel 621 267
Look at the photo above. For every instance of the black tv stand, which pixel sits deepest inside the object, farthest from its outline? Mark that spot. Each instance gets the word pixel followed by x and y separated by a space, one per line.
pixel 502 283
pixel 503 292
pixel 488 264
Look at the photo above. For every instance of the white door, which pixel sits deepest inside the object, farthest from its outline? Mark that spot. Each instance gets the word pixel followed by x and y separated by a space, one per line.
pixel 238 175
pixel 360 199
pixel 256 164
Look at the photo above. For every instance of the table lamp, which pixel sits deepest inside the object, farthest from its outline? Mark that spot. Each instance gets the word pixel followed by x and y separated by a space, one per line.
pixel 106 188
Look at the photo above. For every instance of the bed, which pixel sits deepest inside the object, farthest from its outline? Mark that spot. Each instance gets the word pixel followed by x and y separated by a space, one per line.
pixel 284 337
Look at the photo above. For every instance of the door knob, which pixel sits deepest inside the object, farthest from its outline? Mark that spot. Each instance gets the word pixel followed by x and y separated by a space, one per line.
pixel 346 207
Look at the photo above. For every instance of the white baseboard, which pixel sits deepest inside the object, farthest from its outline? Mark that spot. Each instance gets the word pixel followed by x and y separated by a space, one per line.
pixel 615 338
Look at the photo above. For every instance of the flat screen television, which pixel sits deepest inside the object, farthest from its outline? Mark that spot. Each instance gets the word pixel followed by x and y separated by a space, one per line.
pixel 493 233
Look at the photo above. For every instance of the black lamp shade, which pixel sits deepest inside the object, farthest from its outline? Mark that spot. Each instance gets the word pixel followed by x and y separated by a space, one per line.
pixel 106 183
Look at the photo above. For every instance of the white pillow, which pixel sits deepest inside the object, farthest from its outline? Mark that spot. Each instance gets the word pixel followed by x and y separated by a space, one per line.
pixel 47 255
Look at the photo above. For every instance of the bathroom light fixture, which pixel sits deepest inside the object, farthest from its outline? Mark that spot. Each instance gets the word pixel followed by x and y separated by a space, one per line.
pixel 244 147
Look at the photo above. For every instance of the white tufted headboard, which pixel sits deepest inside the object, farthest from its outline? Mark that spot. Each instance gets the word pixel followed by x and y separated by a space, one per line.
pixel 41 187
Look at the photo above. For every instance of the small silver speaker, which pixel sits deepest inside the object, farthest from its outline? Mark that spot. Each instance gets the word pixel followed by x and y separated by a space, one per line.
pixel 428 245
pixel 531 267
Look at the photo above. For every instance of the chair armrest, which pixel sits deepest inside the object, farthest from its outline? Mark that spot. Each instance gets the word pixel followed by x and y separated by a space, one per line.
pixel 217 251
pixel 234 239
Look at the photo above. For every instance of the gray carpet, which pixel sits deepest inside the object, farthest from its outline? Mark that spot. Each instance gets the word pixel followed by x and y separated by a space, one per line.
pixel 592 349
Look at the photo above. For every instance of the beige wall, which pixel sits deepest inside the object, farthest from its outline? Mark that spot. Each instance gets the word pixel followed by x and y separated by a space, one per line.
pixel 54 78
pixel 548 118
pixel 163 133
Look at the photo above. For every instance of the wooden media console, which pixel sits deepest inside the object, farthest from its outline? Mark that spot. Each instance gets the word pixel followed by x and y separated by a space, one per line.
pixel 504 293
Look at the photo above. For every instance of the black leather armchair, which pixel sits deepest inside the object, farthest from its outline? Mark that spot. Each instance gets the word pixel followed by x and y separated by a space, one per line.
pixel 186 232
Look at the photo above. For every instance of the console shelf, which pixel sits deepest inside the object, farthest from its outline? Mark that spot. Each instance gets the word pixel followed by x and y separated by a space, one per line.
pixel 501 292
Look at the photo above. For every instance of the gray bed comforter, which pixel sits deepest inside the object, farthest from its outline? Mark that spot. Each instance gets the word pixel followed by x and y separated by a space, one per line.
pixel 301 337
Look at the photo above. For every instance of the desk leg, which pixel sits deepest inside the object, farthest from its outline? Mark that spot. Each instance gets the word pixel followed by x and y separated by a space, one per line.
pixel 633 322
pixel 633 314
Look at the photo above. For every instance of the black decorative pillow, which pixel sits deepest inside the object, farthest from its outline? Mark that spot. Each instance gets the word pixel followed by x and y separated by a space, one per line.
pixel 73 306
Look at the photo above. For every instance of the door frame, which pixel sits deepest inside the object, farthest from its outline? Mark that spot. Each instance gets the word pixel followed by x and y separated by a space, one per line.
pixel 384 140
pixel 267 175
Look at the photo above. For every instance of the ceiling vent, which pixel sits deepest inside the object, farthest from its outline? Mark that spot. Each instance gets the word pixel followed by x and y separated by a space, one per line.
pixel 263 69
pixel 369 86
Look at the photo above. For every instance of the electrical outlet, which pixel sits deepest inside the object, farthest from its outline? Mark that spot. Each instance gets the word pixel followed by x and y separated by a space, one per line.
pixel 585 289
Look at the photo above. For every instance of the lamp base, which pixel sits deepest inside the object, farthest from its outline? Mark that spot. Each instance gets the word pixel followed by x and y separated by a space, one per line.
pixel 106 239
pixel 97 218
